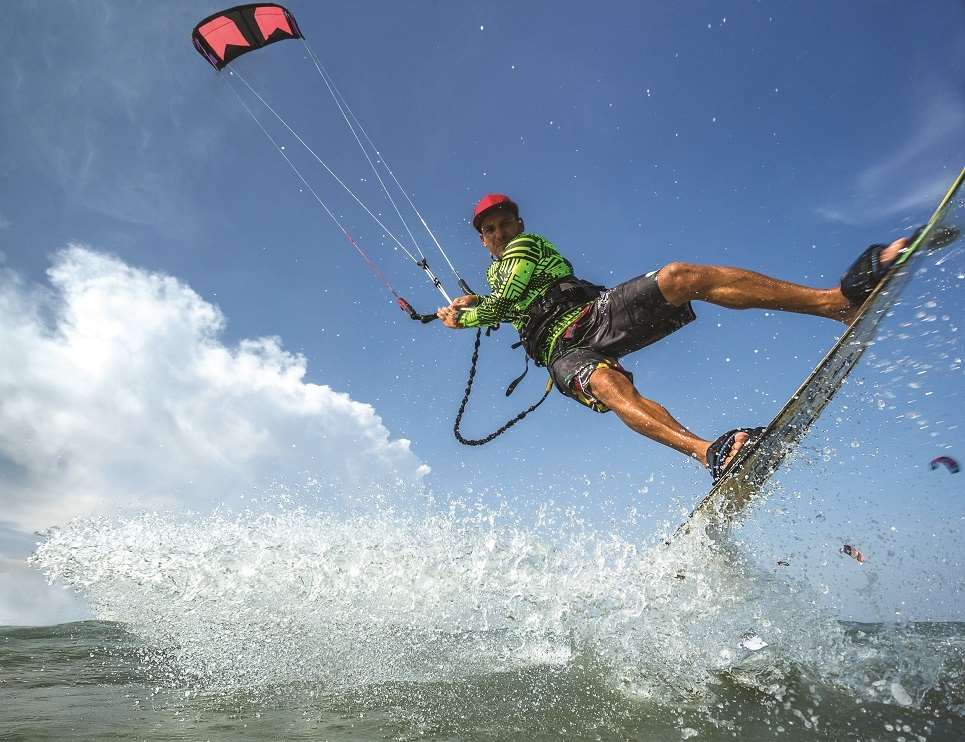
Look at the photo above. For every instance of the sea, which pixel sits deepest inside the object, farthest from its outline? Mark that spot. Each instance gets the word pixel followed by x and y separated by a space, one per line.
pixel 459 625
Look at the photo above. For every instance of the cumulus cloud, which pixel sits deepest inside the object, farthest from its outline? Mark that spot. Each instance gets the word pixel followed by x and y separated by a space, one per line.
pixel 116 392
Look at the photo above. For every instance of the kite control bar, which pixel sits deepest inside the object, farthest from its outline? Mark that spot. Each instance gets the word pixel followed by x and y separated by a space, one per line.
pixel 408 309
pixel 427 318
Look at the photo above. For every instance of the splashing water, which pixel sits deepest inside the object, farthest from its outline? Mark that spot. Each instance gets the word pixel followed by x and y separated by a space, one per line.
pixel 266 599
pixel 474 618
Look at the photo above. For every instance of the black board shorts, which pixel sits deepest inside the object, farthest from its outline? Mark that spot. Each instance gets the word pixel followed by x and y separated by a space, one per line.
pixel 622 320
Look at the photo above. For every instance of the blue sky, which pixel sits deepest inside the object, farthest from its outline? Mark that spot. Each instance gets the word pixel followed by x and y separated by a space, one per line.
pixel 778 137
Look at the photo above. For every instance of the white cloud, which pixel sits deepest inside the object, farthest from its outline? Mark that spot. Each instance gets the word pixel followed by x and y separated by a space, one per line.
pixel 912 177
pixel 4 222
pixel 115 392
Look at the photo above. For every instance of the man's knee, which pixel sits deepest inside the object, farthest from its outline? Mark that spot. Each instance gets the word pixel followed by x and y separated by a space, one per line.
pixel 679 282
pixel 609 385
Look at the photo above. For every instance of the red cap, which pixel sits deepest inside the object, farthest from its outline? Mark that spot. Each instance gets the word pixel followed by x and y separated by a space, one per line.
pixel 492 201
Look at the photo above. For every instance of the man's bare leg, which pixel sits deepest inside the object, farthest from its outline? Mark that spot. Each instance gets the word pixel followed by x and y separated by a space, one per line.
pixel 649 418
pixel 737 288
pixel 728 287
pixel 644 416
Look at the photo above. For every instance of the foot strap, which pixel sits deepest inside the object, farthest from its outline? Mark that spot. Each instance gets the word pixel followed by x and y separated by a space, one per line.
pixel 720 449
pixel 864 274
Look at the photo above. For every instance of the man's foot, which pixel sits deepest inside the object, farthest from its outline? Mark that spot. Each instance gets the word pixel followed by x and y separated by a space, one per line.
pixel 740 438
pixel 860 280
pixel 722 452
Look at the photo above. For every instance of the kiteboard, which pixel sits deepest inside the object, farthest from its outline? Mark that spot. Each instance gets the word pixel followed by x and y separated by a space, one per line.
pixel 756 461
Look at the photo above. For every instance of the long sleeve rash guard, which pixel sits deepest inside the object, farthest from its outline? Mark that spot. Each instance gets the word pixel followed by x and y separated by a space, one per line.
pixel 530 263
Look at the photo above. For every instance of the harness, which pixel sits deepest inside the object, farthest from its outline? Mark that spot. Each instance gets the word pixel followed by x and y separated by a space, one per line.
pixel 542 314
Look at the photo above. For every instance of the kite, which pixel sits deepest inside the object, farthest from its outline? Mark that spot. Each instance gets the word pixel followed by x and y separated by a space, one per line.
pixel 227 35
pixel 946 461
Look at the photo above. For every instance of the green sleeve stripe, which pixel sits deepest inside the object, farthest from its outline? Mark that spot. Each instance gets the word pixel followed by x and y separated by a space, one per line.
pixel 491 310
pixel 517 274
pixel 524 248
pixel 469 318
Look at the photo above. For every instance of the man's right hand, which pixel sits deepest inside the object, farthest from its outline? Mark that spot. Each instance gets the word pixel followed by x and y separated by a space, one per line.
pixel 450 315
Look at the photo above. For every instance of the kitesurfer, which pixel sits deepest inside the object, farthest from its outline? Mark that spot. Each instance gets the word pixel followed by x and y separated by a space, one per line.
pixel 579 330
pixel 852 552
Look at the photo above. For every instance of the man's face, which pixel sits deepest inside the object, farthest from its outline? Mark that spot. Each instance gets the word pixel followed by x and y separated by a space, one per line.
pixel 498 228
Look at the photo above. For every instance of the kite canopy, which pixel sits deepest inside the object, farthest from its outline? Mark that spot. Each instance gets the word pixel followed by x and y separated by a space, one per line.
pixel 224 36
pixel 947 461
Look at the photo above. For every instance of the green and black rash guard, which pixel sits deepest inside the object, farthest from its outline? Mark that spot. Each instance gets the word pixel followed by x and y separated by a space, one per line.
pixel 530 263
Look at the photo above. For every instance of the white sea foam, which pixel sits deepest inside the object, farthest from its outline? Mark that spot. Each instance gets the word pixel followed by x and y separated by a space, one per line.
pixel 259 599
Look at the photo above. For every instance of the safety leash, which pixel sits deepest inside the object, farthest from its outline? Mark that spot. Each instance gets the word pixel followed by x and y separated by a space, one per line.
pixel 465 401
